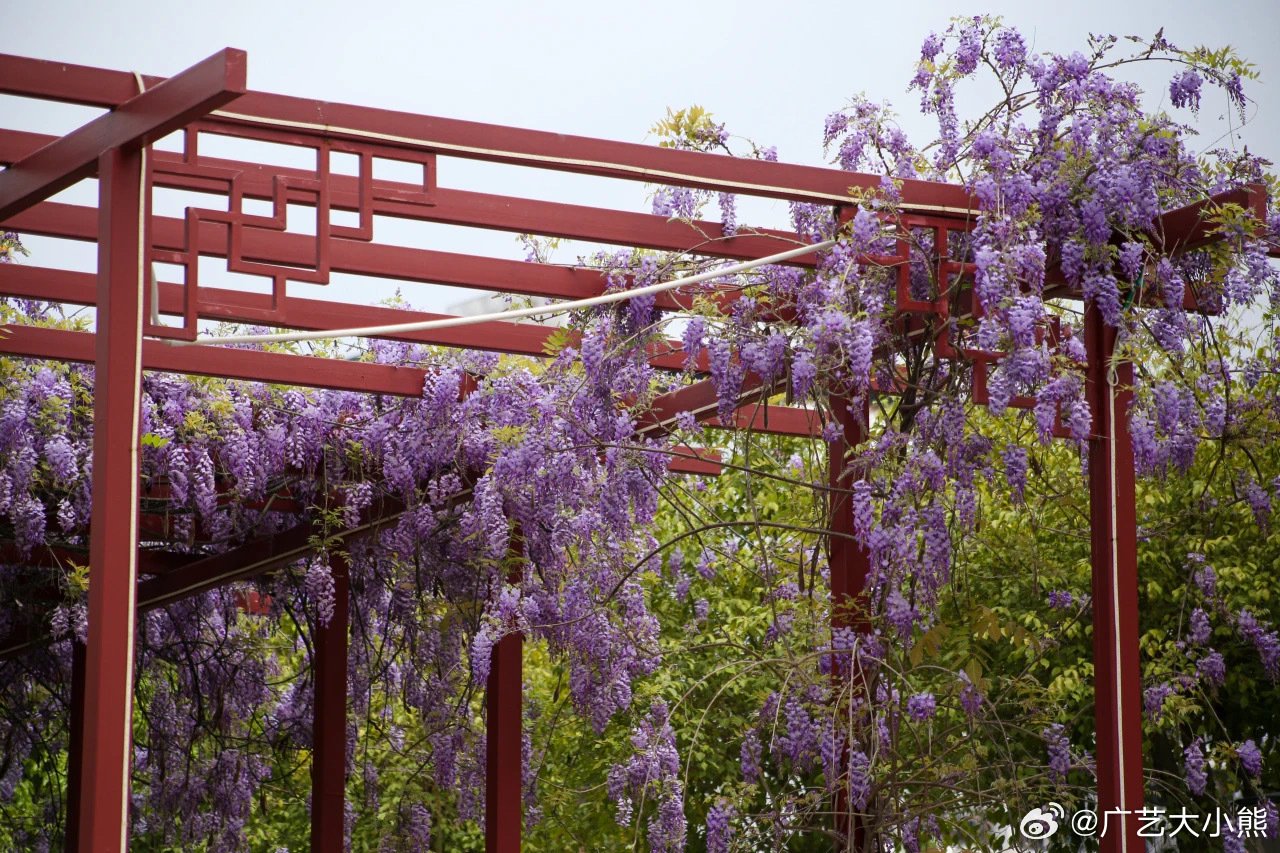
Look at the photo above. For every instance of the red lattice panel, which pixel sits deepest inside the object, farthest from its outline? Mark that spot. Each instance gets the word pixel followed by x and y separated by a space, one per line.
pixel 312 187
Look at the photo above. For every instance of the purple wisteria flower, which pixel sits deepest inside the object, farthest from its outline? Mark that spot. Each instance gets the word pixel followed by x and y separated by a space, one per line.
pixel 970 696
pixel 720 826
pixel 1212 668
pixel 1059 749
pixel 921 707
pixel 1250 758
pixel 1184 90
pixel 1015 469
pixel 750 756
pixel 1153 700
pixel 1060 599
pixel 1199 629
pixel 1194 768
pixel 1204 576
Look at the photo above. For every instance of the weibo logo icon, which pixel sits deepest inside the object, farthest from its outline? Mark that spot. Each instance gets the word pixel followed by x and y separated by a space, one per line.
pixel 1041 822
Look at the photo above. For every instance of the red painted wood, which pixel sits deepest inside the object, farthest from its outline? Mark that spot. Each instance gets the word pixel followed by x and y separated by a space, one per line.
pixel 456 207
pixel 141 119
pixel 75 749
pixel 234 306
pixel 306 371
pixel 584 155
pixel 329 726
pixel 850 564
pixel 113 545
pixel 1114 547
pixel 1191 226
pixel 694 460
pixel 774 420
pixel 504 751
pixel 701 400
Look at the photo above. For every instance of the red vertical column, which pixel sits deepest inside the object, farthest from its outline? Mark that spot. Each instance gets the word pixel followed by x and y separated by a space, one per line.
pixel 849 561
pixel 329 721
pixel 75 748
pixel 113 536
pixel 1114 548
pixel 504 753
pixel 849 566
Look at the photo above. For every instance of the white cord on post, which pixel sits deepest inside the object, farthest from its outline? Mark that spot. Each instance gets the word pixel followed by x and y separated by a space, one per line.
pixel 154 313
pixel 515 314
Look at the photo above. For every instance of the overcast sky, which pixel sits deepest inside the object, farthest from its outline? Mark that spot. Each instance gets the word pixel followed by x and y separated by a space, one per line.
pixel 771 71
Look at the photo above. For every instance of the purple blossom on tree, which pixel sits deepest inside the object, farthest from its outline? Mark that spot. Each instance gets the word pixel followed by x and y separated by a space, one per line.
pixel 1194 768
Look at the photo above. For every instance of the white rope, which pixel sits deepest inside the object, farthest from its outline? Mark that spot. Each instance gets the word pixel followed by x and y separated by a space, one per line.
pixel 154 314
pixel 1112 382
pixel 514 314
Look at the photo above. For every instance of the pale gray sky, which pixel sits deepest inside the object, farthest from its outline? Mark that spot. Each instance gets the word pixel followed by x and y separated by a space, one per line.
pixel 771 71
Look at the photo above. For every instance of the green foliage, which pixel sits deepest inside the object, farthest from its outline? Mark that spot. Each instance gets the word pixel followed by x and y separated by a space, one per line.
pixel 689 125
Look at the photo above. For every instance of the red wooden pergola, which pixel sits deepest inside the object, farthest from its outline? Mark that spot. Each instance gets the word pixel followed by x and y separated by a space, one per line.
pixel 211 98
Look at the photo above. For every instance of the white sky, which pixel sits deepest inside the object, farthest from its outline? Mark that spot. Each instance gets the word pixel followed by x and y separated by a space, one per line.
pixel 772 72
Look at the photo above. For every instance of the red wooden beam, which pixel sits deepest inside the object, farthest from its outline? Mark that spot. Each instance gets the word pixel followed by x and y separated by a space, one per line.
pixel 495 143
pixel 695 460
pixel 456 207
pixel 140 120
pixel 329 721
pixel 849 562
pixel 700 400
pixel 580 222
pixel 50 80
pixel 504 812
pixel 347 256
pixel 1190 227
pixel 1114 557
pixel 258 556
pixel 235 306
pixel 313 372
pixel 225 362
pixel 113 537
pixel 774 420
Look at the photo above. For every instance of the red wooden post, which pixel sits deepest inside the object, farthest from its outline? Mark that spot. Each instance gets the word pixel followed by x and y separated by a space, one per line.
pixel 113 537
pixel 75 749
pixel 849 566
pixel 504 753
pixel 849 561
pixel 1114 546
pixel 329 722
